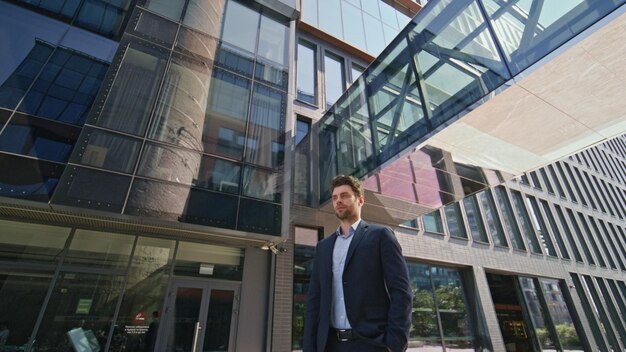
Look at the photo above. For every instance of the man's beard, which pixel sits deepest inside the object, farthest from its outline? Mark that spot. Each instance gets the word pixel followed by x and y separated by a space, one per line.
pixel 346 214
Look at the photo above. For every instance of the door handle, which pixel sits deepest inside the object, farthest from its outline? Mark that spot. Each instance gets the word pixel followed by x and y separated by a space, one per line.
pixel 196 332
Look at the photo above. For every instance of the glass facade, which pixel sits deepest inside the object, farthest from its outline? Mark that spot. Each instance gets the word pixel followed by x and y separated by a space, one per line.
pixel 75 283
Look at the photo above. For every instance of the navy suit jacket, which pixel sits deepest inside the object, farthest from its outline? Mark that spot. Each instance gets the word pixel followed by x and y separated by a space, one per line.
pixel 376 290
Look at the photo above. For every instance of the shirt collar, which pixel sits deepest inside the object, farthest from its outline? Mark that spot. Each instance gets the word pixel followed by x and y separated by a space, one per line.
pixel 353 226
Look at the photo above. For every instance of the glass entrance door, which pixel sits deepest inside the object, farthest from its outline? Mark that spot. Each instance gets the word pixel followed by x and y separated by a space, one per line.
pixel 200 316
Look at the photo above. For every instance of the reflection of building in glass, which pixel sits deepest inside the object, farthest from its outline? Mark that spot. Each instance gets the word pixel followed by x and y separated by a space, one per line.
pixel 173 157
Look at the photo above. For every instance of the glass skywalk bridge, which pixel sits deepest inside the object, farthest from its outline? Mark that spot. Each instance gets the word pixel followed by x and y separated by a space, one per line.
pixel 452 58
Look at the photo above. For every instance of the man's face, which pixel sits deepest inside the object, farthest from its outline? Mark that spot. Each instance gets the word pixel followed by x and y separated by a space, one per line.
pixel 347 206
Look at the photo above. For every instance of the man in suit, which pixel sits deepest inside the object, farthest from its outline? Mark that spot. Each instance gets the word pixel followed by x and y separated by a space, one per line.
pixel 359 296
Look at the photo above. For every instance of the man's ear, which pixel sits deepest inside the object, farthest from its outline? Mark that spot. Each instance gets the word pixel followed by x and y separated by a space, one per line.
pixel 361 200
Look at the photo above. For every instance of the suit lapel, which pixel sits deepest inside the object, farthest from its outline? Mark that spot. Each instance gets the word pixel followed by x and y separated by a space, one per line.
pixel 358 236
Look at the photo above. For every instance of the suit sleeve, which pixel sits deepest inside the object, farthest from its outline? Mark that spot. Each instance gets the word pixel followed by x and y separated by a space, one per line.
pixel 401 299
pixel 312 309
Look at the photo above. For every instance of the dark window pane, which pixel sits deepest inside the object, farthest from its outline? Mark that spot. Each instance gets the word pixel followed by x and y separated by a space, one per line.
pixel 538 314
pixel 40 138
pixel 227 111
pixel 259 217
pixel 211 209
pixel 424 323
pixel 452 308
pixel 219 175
pixel 134 89
pixel 85 188
pixel 560 315
pixel 555 230
pixel 157 199
pixel 540 226
pixel 14 87
pixel 65 8
pixel 154 28
pixel 107 150
pixel 524 219
pixel 265 142
pixel 26 178
pixel 102 16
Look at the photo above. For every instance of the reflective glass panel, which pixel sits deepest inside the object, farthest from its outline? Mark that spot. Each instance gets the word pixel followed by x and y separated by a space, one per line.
pixel 329 15
pixel 592 240
pixel 225 124
pixel 40 138
pixel 185 314
pixel 475 220
pixel 352 20
pixel 260 217
pixel 334 79
pixel 540 226
pixel 265 141
pixel 218 175
pixel 22 294
pixel 167 8
pixel 273 39
pixel 493 218
pixel 166 201
pixel 424 325
pixel 262 184
pixel 374 35
pixel 104 17
pixel 211 209
pixel 524 219
pixel 204 15
pixel 538 314
pixel 218 320
pixel 509 219
pixel 107 150
pixel 99 249
pixel 182 104
pixel 568 234
pixel 452 308
pixel 227 261
pixel 144 295
pixel 560 315
pixel 27 178
pixel 66 87
pixel 240 28
pixel 528 30
pixel 87 303
pixel 307 72
pixel 154 28
pixel 454 220
pixel 169 163
pixel 581 239
pixel 16 82
pixel 93 189
pixel 555 230
pixel 129 102
pixel 21 241
pixel 432 222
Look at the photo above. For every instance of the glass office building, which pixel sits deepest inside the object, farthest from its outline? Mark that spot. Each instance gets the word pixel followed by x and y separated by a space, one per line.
pixel 161 185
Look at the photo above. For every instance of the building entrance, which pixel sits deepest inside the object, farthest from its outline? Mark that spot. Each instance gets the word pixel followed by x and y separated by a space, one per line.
pixel 509 310
pixel 199 315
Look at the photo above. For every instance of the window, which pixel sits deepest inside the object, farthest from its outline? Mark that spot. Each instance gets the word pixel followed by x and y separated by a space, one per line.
pixel 304 252
pixel 568 234
pixel 432 222
pixel 302 182
pixel 592 240
pixel 475 220
pixel 493 218
pixel 454 220
pixel 307 73
pixel 356 71
pixel 581 238
pixel 555 230
pixel 509 218
pixel 546 180
pixel 522 215
pixel 540 226
pixel 334 78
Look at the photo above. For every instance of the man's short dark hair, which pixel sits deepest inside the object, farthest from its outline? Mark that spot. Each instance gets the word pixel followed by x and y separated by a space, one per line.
pixel 353 182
